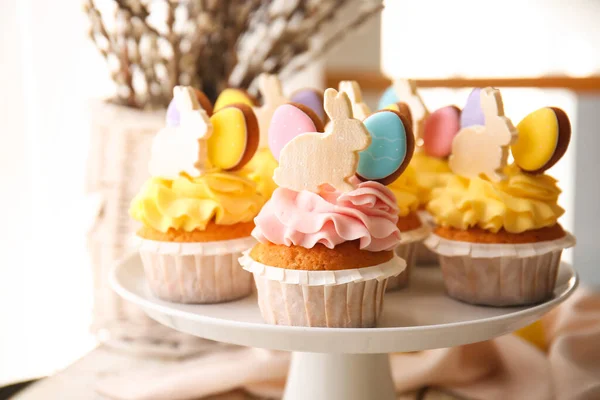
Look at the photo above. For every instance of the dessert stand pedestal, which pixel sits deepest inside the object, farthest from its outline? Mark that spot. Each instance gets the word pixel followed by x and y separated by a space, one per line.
pixel 345 364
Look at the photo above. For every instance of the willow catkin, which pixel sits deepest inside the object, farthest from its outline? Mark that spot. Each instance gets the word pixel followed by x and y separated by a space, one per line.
pixel 153 45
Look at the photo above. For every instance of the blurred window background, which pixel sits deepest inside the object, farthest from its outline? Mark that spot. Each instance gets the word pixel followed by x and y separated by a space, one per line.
pixel 49 72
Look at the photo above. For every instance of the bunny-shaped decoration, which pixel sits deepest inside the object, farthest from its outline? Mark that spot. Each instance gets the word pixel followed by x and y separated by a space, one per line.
pixel 406 91
pixel 183 148
pixel 272 94
pixel 313 159
pixel 359 109
pixel 173 114
pixel 225 141
pixel 483 150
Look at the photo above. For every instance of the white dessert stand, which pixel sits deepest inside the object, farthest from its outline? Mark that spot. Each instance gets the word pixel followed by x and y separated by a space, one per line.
pixel 348 364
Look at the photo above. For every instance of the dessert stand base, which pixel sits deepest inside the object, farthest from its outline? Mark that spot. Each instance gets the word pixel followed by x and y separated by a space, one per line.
pixel 345 364
pixel 322 376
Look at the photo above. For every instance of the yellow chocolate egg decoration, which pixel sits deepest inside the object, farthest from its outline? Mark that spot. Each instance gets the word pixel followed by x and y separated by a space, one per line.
pixel 231 96
pixel 234 139
pixel 543 139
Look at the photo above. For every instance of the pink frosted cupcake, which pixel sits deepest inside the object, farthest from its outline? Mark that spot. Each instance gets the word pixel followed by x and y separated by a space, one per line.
pixel 331 252
pixel 326 240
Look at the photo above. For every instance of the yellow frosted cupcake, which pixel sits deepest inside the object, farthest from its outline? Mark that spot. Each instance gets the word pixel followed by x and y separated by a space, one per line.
pixel 260 170
pixel 430 173
pixel 196 211
pixel 413 230
pixel 498 236
pixel 433 134
pixel 499 243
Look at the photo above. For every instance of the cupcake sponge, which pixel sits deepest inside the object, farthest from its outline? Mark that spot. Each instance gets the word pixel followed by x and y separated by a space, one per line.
pixel 347 255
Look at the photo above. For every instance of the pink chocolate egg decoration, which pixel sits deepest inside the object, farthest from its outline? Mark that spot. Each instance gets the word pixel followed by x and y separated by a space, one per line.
pixel 439 130
pixel 288 122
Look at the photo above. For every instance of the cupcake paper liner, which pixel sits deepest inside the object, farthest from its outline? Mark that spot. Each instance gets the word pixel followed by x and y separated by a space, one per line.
pixel 198 273
pixel 407 250
pixel 424 256
pixel 499 274
pixel 351 298
pixel 202 248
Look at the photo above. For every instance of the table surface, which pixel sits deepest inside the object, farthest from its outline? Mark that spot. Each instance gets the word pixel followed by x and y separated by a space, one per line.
pixel 79 379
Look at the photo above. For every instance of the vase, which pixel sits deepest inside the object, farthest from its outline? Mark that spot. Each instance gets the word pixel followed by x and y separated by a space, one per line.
pixel 117 168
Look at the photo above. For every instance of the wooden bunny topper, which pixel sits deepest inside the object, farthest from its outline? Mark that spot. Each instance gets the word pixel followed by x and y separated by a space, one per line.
pixel 406 91
pixel 225 141
pixel 359 109
pixel 313 159
pixel 272 94
pixel 182 148
pixel 483 150
pixel 194 118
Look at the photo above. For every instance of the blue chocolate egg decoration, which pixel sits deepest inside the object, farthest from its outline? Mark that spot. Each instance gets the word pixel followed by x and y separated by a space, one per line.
pixel 391 148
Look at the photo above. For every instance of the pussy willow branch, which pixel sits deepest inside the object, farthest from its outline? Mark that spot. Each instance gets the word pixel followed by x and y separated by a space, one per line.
pixel 213 43
pixel 330 42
